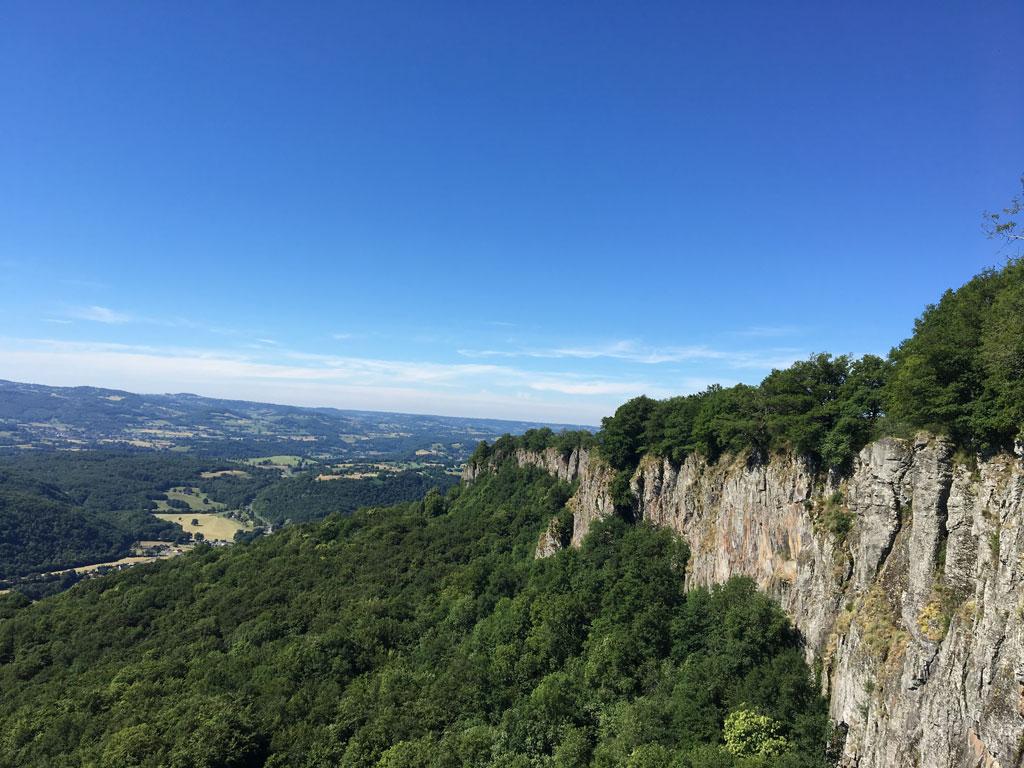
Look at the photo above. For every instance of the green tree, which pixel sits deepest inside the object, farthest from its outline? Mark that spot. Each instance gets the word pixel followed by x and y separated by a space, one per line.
pixel 622 435
pixel 1003 224
pixel 750 734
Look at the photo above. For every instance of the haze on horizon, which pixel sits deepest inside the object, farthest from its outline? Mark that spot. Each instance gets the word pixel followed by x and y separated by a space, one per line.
pixel 525 212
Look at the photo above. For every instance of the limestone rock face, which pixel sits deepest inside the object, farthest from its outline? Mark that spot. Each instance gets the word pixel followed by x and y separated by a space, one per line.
pixel 906 578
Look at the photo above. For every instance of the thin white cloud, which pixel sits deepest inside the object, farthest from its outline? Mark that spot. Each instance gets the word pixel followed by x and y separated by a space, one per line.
pixel 108 316
pixel 634 352
pixel 98 314
pixel 596 387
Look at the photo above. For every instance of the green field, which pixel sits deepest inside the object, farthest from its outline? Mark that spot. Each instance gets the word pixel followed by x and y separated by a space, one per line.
pixel 197 501
pixel 283 460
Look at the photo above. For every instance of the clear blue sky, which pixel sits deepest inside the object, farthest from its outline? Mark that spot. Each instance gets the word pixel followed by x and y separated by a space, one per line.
pixel 522 209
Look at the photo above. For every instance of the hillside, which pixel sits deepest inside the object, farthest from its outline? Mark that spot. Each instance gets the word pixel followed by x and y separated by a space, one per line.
pixel 83 470
pixel 420 635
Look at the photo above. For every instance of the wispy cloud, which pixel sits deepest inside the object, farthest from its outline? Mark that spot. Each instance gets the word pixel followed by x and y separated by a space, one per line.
pixel 549 383
pixel 108 316
pixel 635 352
pixel 98 314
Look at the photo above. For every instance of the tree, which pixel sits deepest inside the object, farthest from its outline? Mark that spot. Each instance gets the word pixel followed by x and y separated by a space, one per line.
pixel 749 734
pixel 1004 224
pixel 622 435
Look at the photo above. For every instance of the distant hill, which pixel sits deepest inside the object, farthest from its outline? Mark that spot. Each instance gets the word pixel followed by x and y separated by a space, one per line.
pixel 43 417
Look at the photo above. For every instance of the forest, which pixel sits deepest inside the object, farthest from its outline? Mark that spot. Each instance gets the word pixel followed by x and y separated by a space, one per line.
pixel 303 498
pixel 424 634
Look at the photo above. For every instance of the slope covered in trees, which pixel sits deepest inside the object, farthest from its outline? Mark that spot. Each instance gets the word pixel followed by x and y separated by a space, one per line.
pixel 304 498
pixel 45 526
pixel 421 635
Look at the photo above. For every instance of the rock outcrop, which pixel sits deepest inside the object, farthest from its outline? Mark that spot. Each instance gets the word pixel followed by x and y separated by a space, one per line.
pixel 906 579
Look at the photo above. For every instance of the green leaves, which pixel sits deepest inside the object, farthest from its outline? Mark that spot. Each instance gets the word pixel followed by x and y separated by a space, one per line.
pixel 962 372
pixel 750 734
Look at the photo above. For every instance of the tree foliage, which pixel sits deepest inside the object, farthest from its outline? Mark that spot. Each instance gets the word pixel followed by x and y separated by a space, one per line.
pixel 962 372
pixel 825 408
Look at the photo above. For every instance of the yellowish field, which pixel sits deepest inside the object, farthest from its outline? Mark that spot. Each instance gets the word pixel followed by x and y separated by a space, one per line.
pixel 123 561
pixel 170 550
pixel 349 476
pixel 213 527
pixel 166 432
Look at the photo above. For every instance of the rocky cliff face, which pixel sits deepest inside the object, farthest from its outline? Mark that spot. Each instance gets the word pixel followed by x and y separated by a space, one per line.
pixel 905 578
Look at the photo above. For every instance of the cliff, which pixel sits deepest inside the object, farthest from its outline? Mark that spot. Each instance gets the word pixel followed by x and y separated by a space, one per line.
pixel 904 577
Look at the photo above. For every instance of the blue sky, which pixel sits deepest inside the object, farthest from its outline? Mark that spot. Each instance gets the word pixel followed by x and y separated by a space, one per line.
pixel 529 210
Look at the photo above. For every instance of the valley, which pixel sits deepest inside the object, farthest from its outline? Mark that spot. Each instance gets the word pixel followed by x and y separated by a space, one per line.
pixel 86 475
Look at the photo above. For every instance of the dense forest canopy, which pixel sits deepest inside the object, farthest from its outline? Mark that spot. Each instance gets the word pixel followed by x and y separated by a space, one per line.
pixel 960 374
pixel 303 498
pixel 421 635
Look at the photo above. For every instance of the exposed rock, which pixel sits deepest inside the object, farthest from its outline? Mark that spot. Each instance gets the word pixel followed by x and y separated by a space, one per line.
pixel 550 539
pixel 905 579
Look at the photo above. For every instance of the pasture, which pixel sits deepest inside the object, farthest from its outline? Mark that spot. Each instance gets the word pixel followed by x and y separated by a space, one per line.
pixel 213 527
pixel 196 500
